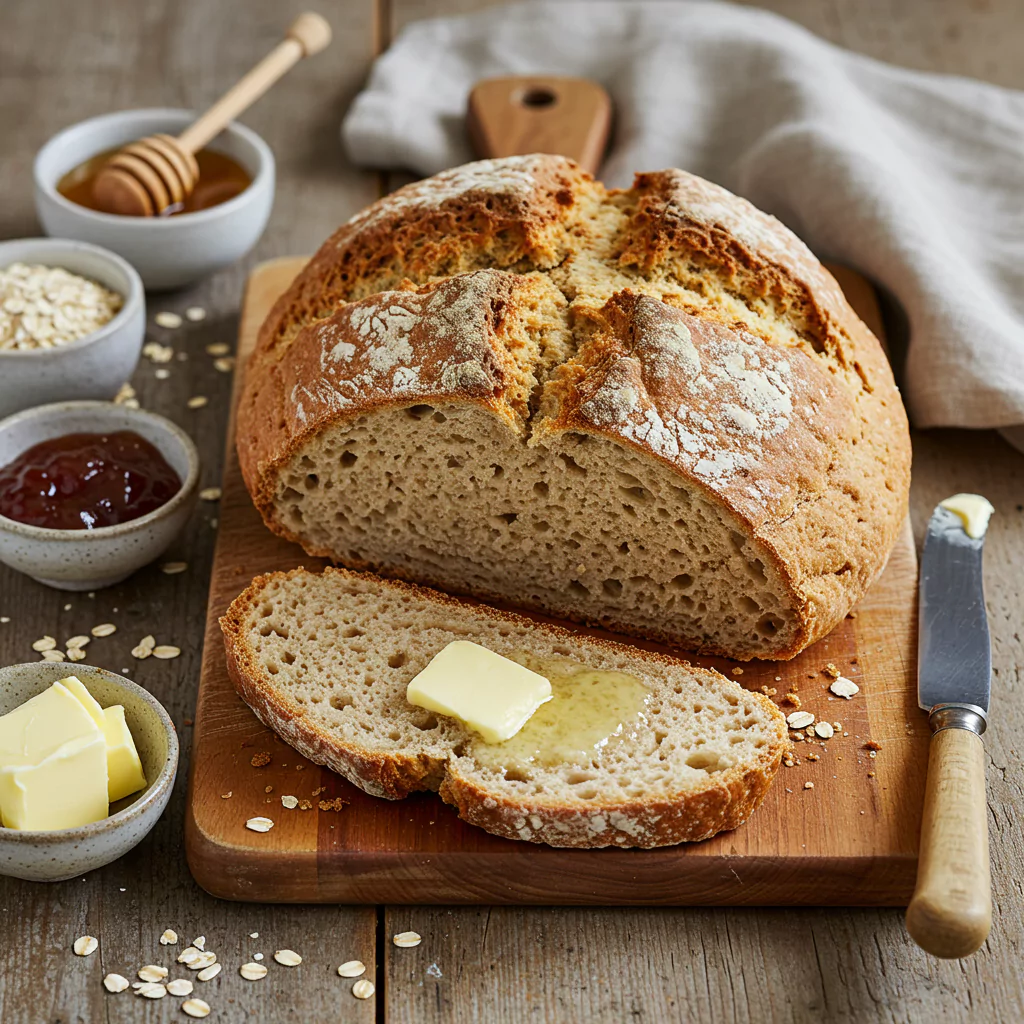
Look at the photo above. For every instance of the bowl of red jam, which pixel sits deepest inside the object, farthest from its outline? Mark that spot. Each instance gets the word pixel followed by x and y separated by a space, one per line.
pixel 91 491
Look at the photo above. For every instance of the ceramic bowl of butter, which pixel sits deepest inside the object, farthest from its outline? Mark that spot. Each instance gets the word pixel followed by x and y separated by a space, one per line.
pixel 65 776
pixel 72 322
pixel 167 251
pixel 65 541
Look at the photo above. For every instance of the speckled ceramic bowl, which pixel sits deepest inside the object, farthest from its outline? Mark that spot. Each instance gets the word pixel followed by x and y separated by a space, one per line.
pixel 90 559
pixel 66 853
pixel 168 252
pixel 95 365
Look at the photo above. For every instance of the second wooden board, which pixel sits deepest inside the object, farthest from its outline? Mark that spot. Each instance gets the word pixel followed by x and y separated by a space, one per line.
pixel 850 837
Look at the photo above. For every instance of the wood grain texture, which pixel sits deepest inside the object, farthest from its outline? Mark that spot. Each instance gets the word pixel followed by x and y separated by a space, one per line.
pixel 851 838
pixel 540 114
pixel 506 963
pixel 950 913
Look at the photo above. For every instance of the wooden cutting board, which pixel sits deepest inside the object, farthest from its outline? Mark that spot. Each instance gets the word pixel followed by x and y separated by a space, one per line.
pixel 850 839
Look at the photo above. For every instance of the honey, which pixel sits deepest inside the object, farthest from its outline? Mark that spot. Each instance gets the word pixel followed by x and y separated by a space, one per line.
pixel 220 179
pixel 589 709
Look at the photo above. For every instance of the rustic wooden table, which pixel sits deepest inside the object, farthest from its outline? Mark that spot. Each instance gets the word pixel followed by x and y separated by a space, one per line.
pixel 60 62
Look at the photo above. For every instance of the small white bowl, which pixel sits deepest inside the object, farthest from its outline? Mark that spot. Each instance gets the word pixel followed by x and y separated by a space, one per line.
pixel 93 366
pixel 90 559
pixel 57 855
pixel 168 252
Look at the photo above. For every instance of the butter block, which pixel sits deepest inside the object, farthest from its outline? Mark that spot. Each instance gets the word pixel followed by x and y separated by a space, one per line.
pixel 66 789
pixel 43 724
pixel 53 762
pixel 78 690
pixel 491 694
pixel 124 769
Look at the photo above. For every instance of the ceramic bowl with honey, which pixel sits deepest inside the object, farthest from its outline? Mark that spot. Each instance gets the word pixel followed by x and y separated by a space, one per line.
pixel 218 224
pixel 92 491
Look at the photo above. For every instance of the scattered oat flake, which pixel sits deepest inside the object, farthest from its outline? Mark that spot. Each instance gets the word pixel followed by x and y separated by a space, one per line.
pixel 44 643
pixel 252 971
pixel 800 719
pixel 218 348
pixel 210 494
pixel 179 987
pixel 736 671
pixel 363 989
pixel 103 629
pixel 151 990
pixel 260 759
pixel 288 958
pixel 78 641
pixel 169 320
pixel 5 618
pixel 166 651
pixel 405 940
pixel 197 401
pixel 195 314
pixel 85 945
pixel 188 954
pixel 226 796
pixel 173 568
pixel 290 802
pixel 352 969
pixel 225 364
pixel 205 959
pixel 162 373
pixel 196 1007
pixel 52 656
pixel 115 983
pixel 209 973
pixel 200 943
pixel 74 654
pixel 157 353
pixel 151 972
pixel 823 730
pixel 169 938
pixel 844 687
pixel 808 785
pixel 259 824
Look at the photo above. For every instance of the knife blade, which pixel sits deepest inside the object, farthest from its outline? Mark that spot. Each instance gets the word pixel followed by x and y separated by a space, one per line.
pixel 950 913
pixel 954 666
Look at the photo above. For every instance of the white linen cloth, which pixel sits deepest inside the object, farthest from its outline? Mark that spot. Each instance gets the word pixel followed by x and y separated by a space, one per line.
pixel 915 179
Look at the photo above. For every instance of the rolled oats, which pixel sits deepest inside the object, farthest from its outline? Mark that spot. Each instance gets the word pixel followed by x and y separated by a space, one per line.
pixel 115 983
pixel 85 945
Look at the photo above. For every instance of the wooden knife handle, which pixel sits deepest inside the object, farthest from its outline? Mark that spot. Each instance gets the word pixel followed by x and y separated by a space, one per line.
pixel 950 913
pixel 540 114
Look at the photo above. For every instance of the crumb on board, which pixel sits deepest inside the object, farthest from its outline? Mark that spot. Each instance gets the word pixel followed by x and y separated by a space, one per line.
pixel 260 759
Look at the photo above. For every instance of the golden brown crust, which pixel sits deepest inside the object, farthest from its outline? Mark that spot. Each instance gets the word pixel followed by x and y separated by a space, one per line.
pixel 808 445
pixel 730 798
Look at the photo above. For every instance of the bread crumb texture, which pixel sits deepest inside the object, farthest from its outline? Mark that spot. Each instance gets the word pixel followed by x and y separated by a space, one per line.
pixel 324 660
pixel 651 409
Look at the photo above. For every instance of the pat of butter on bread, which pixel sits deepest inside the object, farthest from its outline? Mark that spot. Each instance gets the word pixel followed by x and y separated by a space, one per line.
pixel 493 695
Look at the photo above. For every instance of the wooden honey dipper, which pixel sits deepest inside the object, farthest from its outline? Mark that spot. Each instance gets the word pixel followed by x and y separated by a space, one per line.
pixel 160 171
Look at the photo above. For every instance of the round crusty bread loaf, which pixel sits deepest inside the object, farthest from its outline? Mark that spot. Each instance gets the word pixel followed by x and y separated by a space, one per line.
pixel 651 408
pixel 325 659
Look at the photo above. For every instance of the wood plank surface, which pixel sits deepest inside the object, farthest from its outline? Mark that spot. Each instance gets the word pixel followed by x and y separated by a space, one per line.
pixel 851 839
pixel 61 62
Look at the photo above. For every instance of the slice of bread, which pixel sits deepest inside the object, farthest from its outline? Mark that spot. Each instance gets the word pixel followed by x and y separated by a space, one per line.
pixel 324 660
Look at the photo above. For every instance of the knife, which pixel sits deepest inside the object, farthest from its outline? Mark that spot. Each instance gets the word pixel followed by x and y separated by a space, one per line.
pixel 950 913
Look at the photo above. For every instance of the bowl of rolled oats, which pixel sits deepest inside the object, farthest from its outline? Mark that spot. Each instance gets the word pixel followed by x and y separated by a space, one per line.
pixel 72 322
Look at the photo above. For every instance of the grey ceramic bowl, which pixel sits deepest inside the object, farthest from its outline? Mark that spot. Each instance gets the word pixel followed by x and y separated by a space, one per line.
pixel 94 366
pixel 66 853
pixel 168 252
pixel 90 559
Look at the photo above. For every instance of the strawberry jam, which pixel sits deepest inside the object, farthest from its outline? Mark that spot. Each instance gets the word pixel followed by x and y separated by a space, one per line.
pixel 85 481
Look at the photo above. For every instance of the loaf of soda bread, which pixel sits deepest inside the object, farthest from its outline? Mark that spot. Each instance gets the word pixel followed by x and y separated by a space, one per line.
pixel 651 409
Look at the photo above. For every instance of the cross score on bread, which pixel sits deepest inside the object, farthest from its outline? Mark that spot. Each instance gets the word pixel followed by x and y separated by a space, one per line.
pixel 651 409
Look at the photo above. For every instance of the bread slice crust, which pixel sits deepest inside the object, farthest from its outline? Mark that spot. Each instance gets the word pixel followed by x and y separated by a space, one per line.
pixel 723 800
